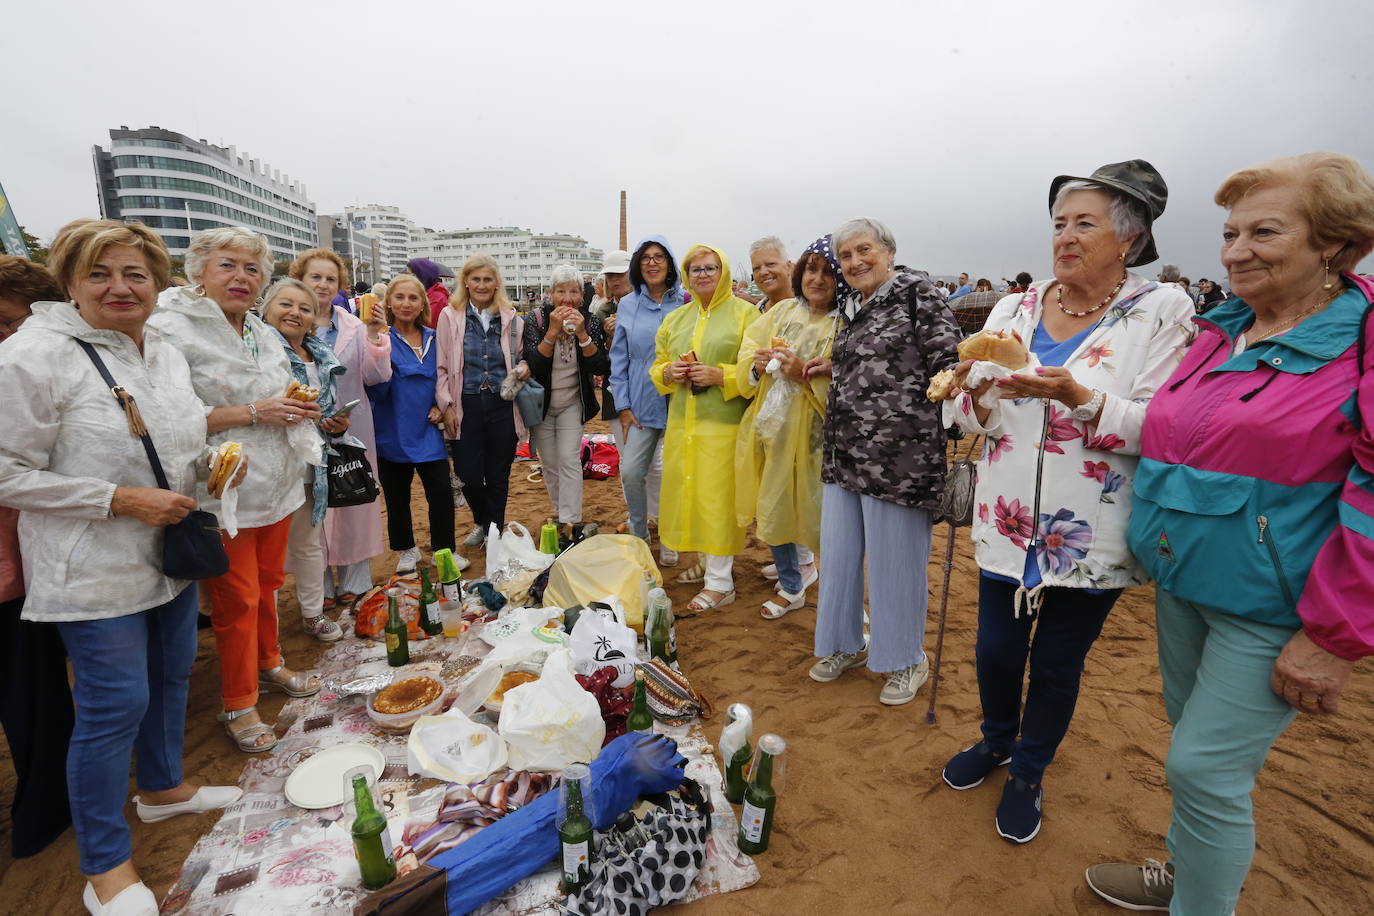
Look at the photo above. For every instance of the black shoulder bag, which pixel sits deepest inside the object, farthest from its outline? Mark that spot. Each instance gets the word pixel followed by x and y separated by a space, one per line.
pixel 191 548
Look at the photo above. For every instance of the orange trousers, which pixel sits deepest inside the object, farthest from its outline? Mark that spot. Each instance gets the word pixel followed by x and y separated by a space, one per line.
pixel 243 609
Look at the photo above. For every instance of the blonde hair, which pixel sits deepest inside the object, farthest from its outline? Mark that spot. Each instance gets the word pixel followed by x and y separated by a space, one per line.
pixel 696 252
pixel 297 269
pixel 205 243
pixel 80 243
pixel 423 317
pixel 1335 194
pixel 478 262
pixel 289 283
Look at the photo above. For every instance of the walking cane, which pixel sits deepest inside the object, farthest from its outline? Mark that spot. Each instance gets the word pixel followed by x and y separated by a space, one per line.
pixel 940 633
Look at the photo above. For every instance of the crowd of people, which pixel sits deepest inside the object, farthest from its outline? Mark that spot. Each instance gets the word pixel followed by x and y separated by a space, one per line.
pixel 1142 436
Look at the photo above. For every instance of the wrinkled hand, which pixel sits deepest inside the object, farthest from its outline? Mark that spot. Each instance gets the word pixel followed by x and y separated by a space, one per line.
pixel 376 327
pixel 151 505
pixel 677 373
pixel 334 425
pixel 608 324
pixel 701 374
pixel 568 314
pixel 1308 677
pixel 790 363
pixel 820 367
pixel 242 472
pixel 1053 382
pixel 451 423
pixel 761 358
pixel 521 370
pixel 436 416
pixel 284 411
pixel 628 419
pixel 961 375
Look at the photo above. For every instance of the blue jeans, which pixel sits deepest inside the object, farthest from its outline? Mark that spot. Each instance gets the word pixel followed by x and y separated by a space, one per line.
pixel 634 472
pixel 1215 667
pixel 789 567
pixel 132 677
pixel 1066 626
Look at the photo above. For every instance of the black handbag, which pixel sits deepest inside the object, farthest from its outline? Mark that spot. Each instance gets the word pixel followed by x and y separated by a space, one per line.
pixel 191 548
pixel 350 476
pixel 957 498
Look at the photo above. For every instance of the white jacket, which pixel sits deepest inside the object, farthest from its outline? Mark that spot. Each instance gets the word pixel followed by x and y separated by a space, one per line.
pixel 66 446
pixel 225 374
pixel 1085 499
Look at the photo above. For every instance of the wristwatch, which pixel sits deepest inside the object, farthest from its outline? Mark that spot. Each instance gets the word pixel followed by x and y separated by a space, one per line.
pixel 1089 410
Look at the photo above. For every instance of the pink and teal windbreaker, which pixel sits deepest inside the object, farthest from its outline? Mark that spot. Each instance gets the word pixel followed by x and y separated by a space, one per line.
pixel 1255 488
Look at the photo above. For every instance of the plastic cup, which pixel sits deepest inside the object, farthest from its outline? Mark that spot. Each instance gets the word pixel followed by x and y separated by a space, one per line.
pixel 451 615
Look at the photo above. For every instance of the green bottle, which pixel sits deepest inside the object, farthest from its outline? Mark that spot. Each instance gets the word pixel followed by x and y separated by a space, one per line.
pixel 450 577
pixel 662 632
pixel 429 606
pixel 739 721
pixel 640 719
pixel 575 830
pixel 397 637
pixel 371 839
pixel 760 799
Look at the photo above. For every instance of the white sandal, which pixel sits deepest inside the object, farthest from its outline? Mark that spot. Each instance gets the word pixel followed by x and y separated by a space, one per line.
pixel 702 603
pixel 772 610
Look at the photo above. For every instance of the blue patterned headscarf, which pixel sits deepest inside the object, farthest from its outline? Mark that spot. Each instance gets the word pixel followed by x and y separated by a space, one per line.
pixel 821 246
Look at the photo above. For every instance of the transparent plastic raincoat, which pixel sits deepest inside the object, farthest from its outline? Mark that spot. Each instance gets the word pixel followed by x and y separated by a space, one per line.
pixel 697 505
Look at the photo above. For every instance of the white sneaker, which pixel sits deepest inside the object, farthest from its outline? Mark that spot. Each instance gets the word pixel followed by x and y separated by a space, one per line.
pixel 476 538
pixel 902 685
pixel 461 561
pixel 667 557
pixel 408 560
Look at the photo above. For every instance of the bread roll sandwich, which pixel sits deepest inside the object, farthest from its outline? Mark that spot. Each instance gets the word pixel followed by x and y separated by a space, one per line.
pixel 223 463
pixel 365 306
pixel 1002 347
pixel 940 385
pixel 298 392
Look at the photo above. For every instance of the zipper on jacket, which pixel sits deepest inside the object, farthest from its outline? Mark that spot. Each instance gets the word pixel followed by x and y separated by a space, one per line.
pixel 1263 521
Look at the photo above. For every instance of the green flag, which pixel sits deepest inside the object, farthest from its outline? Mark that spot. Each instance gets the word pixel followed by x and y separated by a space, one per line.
pixel 9 229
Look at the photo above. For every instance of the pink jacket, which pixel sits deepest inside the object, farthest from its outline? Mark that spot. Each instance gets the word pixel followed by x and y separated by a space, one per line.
pixel 453 324
pixel 354 534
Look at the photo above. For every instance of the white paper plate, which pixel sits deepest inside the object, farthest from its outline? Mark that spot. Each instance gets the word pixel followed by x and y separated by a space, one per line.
pixel 318 783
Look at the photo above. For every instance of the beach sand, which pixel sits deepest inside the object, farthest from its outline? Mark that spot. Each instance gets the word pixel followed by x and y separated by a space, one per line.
pixel 864 823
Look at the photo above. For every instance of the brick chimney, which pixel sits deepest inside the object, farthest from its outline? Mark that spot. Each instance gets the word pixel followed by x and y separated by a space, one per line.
pixel 624 240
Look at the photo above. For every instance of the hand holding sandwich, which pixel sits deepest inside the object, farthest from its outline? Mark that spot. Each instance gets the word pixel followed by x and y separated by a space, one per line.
pixel 284 411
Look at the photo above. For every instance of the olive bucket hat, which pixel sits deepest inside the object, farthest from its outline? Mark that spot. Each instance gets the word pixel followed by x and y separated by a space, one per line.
pixel 1136 179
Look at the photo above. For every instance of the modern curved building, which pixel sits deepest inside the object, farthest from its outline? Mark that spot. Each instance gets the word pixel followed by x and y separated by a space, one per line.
pixel 176 186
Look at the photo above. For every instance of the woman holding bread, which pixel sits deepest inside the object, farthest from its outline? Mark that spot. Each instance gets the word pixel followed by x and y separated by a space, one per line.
pixel 290 310
pixel 240 372
pixel 1074 362
pixel 351 535
pixel 778 455
pixel 91 532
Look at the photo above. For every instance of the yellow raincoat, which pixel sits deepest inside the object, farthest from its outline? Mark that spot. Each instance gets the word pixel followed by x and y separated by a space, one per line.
pixel 778 460
pixel 697 500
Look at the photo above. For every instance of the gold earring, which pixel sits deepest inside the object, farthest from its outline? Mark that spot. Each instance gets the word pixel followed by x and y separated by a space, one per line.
pixel 1121 257
pixel 1327 269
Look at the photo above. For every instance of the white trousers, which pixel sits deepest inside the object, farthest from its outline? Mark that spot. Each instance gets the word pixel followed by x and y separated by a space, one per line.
pixel 559 441
pixel 305 559
pixel 720 573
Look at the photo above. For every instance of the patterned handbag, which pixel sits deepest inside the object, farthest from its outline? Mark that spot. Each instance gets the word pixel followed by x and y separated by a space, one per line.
pixel 672 699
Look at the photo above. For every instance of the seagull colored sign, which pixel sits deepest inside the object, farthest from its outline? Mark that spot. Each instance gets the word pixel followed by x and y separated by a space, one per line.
pixel 9 229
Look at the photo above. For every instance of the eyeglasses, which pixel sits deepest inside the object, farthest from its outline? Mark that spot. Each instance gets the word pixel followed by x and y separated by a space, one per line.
pixel 703 271
pixel 654 259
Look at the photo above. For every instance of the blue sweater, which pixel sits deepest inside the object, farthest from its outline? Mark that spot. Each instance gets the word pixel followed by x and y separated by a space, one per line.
pixel 400 407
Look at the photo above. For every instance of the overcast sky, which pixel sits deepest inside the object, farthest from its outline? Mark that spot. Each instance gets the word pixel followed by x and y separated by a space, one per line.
pixel 724 121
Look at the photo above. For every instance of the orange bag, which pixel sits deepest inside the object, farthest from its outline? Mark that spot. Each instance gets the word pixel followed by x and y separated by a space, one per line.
pixel 369 617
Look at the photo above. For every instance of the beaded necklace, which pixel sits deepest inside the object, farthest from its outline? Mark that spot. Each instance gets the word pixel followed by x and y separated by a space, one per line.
pixel 1059 298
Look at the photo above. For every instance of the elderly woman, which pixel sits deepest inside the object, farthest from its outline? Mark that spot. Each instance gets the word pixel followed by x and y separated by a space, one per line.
pixel 290 309
pixel 479 339
pixel 91 531
pixel 695 363
pixel 772 271
pixel 409 441
pixel 1062 441
pixel 241 374
pixel 883 463
pixel 352 535
pixel 656 290
pixel 564 348
pixel 778 455
pixel 1259 442
pixel 35 700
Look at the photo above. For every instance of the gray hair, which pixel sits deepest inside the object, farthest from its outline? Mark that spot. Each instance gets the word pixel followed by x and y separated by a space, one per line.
pixel 290 283
pixel 379 290
pixel 768 243
pixel 1129 218
pixel 208 241
pixel 565 273
pixel 1170 273
pixel 863 226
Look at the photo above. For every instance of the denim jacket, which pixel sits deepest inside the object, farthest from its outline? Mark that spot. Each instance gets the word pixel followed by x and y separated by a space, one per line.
pixel 484 363
pixel 329 367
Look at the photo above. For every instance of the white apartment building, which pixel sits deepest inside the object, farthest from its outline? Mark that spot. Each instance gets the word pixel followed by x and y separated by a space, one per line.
pixel 177 186
pixel 526 258
pixel 391 229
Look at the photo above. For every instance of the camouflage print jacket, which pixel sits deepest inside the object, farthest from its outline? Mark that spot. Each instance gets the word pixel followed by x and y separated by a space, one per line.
pixel 882 437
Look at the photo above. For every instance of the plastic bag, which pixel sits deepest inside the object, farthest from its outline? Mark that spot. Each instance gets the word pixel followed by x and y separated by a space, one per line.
pixel 598 641
pixel 514 548
pixel 775 409
pixel 604 564
pixel 551 722
pixel 454 748
pixel 350 475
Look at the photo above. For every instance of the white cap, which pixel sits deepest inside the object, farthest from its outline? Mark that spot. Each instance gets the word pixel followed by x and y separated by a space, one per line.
pixel 616 262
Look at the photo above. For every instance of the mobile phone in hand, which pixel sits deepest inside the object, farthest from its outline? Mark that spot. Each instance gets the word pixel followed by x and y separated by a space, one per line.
pixel 346 409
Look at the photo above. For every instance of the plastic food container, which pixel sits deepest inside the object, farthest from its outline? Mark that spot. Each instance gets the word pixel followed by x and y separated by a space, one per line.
pixel 402 722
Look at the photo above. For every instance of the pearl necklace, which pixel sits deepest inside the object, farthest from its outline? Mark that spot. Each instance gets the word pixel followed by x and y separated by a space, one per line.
pixel 1059 298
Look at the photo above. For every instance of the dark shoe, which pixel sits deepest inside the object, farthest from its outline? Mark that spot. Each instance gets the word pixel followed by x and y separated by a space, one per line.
pixel 970 767
pixel 1133 887
pixel 1018 814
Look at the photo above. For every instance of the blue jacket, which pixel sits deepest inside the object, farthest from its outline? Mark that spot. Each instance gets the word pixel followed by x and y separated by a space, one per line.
pixel 329 367
pixel 400 406
pixel 632 350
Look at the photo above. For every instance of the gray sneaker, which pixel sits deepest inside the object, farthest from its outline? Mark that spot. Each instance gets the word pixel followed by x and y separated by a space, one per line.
pixel 902 685
pixel 1133 887
pixel 832 666
pixel 476 537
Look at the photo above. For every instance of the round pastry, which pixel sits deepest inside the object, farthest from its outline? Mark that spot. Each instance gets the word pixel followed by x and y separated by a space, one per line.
pixel 407 696
pixel 508 680
pixel 1001 347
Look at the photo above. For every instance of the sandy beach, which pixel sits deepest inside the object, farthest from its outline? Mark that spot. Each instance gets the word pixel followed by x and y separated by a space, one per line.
pixel 865 824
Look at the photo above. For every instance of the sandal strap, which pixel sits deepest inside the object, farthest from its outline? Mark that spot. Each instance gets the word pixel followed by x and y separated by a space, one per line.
pixel 299 680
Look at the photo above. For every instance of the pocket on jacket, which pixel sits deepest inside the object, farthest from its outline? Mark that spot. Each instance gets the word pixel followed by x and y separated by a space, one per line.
pixel 74 550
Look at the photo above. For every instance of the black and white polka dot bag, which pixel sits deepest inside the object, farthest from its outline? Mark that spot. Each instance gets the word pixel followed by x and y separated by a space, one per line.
pixel 650 861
